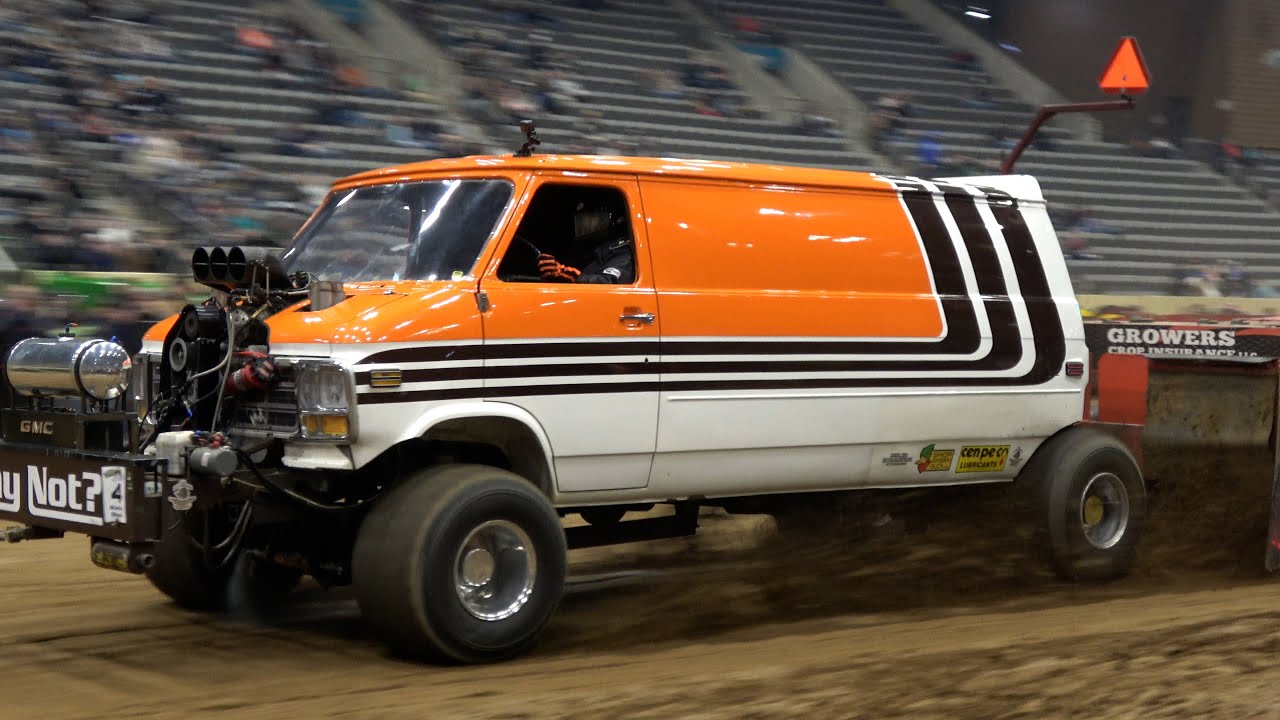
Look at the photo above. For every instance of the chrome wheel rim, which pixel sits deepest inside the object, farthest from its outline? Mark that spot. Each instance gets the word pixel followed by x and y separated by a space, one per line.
pixel 494 571
pixel 1104 510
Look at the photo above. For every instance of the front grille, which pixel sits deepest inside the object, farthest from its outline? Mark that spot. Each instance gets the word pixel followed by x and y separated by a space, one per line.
pixel 270 412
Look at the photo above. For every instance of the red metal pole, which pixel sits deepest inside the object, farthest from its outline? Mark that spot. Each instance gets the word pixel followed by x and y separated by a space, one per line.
pixel 1049 111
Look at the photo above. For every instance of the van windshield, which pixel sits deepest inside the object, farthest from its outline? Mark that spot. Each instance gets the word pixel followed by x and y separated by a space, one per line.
pixel 432 230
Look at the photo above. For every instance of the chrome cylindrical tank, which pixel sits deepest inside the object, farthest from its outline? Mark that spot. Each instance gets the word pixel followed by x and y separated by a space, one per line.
pixel 68 367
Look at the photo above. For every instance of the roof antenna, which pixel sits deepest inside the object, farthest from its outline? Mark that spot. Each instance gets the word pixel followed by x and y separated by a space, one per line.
pixel 531 139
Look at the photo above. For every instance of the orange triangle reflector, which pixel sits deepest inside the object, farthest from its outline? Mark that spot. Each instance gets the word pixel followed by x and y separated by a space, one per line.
pixel 1127 72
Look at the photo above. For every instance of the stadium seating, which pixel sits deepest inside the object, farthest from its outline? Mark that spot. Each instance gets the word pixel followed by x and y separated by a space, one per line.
pixel 1267 175
pixel 611 49
pixel 1171 211
pixel 217 85
pixel 1162 213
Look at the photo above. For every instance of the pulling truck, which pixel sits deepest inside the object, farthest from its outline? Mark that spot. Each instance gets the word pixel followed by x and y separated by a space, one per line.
pixel 399 401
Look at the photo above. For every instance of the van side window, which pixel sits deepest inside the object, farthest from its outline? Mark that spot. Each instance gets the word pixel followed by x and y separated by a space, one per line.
pixel 573 234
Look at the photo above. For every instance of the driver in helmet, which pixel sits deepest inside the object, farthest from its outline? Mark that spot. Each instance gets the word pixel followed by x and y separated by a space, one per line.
pixel 606 245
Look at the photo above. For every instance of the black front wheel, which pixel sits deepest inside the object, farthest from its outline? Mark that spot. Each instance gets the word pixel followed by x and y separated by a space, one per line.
pixel 463 563
pixel 182 572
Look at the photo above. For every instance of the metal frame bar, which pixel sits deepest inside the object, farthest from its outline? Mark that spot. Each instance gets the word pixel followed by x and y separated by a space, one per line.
pixel 1047 112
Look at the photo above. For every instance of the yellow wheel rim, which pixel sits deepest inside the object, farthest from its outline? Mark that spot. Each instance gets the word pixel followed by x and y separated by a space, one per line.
pixel 1093 510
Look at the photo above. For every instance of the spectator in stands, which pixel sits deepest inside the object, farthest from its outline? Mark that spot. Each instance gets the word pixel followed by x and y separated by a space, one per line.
pixel 213 143
pixel 55 250
pixel 254 40
pixel 1077 247
pixel 969 165
pixel 699 71
pixel 148 102
pixel 118 319
pixel 815 124
pixel 877 130
pixel 1080 219
pixel 897 108
pixel 515 103
pixel 403 132
pixel 750 29
pixel 570 92
pixel 1199 281
pixel 1236 281
pixel 1004 137
pixel 963 60
pixel 703 106
pixel 333 108
pixel 131 11
pixel 1149 144
pixel 980 97
pixel 929 153
pixel 521 12
pixel 662 82
pixel 300 141
pixel 21 315
pixel 16 132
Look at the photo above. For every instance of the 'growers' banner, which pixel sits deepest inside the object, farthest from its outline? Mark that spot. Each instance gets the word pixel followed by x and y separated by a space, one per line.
pixel 1187 341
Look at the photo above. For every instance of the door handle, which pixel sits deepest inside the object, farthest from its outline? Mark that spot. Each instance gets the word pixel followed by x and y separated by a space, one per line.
pixel 646 318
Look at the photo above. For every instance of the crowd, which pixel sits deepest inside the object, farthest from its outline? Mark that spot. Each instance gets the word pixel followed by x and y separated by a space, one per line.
pixel 522 70
pixel 1226 278
pixel 72 102
pixel 120 179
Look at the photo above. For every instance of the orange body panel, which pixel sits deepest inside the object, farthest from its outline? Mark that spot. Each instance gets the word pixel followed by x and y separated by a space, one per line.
pixel 722 233
pixel 524 310
pixel 726 262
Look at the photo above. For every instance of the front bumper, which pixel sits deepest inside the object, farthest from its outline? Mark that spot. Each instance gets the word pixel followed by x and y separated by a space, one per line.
pixel 118 496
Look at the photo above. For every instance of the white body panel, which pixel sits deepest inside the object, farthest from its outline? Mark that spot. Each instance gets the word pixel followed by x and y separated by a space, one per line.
pixel 601 441
pixel 836 441
pixel 656 441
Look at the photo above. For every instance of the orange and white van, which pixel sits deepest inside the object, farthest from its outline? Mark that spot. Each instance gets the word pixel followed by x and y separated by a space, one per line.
pixel 413 394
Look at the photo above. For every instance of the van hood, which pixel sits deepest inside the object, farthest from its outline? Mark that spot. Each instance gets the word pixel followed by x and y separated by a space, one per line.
pixel 371 314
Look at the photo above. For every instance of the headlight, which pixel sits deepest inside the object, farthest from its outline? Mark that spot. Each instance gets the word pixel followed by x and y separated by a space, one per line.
pixel 326 395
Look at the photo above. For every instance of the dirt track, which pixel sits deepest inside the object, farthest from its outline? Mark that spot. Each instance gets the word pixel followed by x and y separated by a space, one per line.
pixel 953 620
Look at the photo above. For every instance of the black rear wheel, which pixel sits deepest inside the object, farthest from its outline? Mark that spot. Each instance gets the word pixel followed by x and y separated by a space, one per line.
pixel 1091 504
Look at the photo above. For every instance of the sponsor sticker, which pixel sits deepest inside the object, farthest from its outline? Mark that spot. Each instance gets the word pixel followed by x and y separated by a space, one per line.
pixel 982 458
pixel 933 459
pixel 1015 459
pixel 87 498
pixel 897 459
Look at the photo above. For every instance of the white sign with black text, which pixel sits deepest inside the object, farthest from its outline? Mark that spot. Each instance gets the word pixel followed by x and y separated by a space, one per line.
pixel 90 498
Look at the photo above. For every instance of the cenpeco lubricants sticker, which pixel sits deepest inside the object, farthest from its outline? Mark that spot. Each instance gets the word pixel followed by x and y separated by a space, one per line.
pixel 89 498
pixel 1187 341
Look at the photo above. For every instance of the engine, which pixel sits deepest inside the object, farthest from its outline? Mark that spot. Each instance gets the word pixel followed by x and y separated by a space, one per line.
pixel 218 351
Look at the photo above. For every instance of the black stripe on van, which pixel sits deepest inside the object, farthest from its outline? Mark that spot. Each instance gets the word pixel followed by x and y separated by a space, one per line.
pixel 1033 282
pixel 1045 324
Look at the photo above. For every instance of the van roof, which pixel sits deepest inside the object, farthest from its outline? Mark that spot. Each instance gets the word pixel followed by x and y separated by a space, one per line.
pixel 670 167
